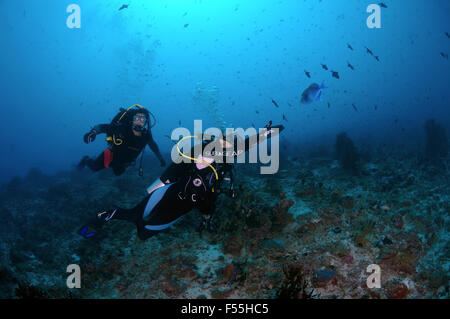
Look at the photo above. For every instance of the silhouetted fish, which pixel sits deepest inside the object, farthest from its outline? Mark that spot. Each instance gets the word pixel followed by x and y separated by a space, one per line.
pixel 444 55
pixel 383 5
pixel 376 107
pixel 124 6
pixel 324 66
pixel 179 122
pixel 448 35
pixel 350 66
pixel 349 46
pixel 186 25
pixel 354 106
pixel 335 74
pixel 257 112
pixel 329 105
pixel 284 118
pixel 313 93
pixel 377 58
pixel 308 74
pixel 369 51
pixel 184 14
pixel 275 103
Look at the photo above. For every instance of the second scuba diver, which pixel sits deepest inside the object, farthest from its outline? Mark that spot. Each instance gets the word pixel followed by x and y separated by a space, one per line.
pixel 127 136
pixel 181 188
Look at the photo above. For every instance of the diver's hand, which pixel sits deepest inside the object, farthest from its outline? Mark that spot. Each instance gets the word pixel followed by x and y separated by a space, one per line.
pixel 269 129
pixel 90 136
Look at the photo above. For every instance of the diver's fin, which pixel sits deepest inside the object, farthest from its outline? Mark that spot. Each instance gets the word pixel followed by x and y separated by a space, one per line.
pixel 87 231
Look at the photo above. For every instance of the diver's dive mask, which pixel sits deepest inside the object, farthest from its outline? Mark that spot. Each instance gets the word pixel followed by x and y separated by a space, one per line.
pixel 142 119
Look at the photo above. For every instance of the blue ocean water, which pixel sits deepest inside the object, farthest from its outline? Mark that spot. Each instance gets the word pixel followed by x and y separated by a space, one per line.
pixel 58 82
pixel 237 64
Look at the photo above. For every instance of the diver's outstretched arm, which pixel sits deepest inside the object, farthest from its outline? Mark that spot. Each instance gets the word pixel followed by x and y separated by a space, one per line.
pixel 266 133
pixel 97 129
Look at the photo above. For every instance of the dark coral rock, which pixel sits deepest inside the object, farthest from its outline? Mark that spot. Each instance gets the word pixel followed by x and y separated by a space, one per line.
pixel 295 285
pixel 280 215
pixel 346 153
pixel 233 245
pixel 436 146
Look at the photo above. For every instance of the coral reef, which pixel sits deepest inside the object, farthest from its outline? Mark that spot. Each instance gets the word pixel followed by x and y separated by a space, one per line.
pixel 324 227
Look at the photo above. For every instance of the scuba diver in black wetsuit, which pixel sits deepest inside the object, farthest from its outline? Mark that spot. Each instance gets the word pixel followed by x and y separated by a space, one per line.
pixel 182 187
pixel 127 136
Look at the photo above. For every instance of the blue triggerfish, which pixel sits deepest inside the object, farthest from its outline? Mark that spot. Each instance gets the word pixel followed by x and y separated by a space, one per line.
pixel 313 93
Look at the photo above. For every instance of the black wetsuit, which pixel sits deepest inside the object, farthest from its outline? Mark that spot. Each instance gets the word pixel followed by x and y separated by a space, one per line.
pixel 186 187
pixel 189 188
pixel 124 148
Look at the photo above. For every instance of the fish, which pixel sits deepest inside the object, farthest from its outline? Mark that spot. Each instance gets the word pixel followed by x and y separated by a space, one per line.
pixel 350 66
pixel 377 58
pixel 275 103
pixel 324 66
pixel 376 107
pixel 444 55
pixel 354 107
pixel 289 104
pixel 124 6
pixel 308 74
pixel 284 118
pixel 313 93
pixel 349 46
pixel 447 34
pixel 186 25
pixel 179 122
pixel 329 105
pixel 184 14
pixel 383 5
pixel 369 51
pixel 335 74
pixel 257 112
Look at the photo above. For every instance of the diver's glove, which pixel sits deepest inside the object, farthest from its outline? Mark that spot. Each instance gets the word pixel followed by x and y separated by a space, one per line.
pixel 92 228
pixel 90 136
pixel 269 127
